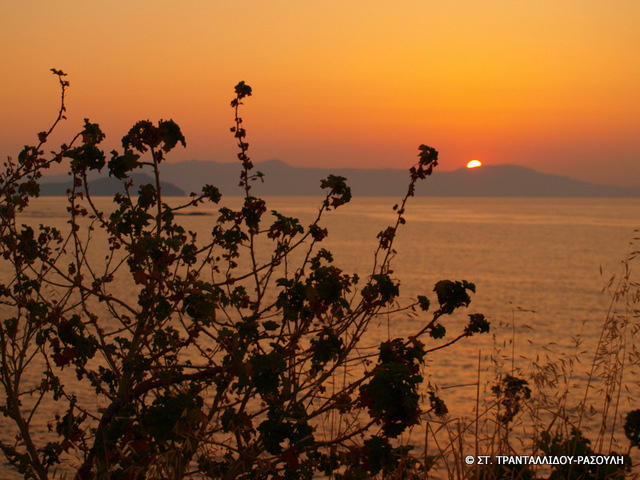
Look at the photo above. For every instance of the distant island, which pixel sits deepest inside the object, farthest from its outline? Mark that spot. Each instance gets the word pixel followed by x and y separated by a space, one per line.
pixel 103 186
pixel 283 179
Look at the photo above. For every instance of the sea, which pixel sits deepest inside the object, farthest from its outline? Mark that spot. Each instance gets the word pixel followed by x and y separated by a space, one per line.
pixel 545 270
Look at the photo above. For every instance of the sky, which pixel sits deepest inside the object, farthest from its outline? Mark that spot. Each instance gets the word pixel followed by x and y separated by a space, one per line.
pixel 553 85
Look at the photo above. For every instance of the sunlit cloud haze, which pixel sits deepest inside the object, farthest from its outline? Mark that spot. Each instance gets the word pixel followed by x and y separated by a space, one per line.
pixel 552 85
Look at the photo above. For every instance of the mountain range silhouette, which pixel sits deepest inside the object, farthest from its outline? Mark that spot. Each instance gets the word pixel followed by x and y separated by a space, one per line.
pixel 283 179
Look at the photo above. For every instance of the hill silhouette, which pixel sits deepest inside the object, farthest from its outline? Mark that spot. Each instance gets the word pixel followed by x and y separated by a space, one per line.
pixel 283 179
pixel 103 185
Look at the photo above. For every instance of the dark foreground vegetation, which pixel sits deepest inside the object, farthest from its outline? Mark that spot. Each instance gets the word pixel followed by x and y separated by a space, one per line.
pixel 218 361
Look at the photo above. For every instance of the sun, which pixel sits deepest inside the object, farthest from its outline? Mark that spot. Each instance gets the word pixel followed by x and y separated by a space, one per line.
pixel 474 164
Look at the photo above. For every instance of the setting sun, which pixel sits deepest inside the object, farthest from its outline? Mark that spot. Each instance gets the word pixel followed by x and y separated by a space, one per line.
pixel 474 164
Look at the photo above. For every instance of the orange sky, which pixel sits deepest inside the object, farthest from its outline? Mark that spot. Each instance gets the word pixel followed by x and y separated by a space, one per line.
pixel 553 85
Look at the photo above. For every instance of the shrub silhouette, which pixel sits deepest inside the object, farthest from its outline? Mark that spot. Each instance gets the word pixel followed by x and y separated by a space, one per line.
pixel 215 360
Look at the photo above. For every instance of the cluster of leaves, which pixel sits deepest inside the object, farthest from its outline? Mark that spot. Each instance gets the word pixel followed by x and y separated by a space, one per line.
pixel 511 393
pixel 211 359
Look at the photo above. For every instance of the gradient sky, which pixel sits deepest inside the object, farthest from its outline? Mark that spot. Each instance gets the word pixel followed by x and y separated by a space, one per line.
pixel 552 84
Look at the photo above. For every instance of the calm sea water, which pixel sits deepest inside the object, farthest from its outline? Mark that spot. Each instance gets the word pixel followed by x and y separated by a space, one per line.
pixel 539 266
pixel 536 263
